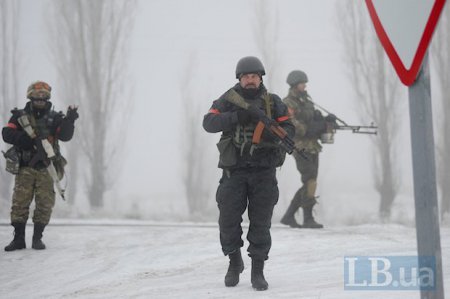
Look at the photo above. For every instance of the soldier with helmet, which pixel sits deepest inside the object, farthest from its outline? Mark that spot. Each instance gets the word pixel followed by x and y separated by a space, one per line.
pixel 27 127
pixel 249 178
pixel 309 124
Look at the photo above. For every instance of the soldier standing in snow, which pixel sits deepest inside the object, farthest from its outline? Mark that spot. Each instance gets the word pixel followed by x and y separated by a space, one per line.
pixel 249 177
pixel 28 130
pixel 309 124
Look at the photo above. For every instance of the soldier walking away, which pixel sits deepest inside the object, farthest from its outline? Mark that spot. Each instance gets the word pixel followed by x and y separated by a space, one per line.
pixel 309 124
pixel 249 165
pixel 33 132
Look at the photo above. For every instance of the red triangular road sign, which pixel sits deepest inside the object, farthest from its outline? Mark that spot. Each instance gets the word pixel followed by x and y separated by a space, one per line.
pixel 405 28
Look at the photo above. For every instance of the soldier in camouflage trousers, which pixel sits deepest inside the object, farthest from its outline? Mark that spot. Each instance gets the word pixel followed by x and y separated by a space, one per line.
pixel 34 181
pixel 309 125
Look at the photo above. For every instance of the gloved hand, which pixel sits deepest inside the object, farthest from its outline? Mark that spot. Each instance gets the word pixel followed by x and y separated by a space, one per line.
pixel 243 117
pixel 331 118
pixel 316 128
pixel 317 115
pixel 25 142
pixel 72 113
pixel 255 113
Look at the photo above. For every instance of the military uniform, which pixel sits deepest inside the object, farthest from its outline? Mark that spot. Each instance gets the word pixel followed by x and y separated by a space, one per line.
pixel 249 173
pixel 309 125
pixel 33 179
pixel 251 180
pixel 302 113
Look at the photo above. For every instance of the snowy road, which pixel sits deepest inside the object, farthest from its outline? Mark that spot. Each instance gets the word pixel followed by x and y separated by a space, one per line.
pixel 185 261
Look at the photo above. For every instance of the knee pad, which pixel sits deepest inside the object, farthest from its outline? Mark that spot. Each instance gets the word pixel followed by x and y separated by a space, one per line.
pixel 311 186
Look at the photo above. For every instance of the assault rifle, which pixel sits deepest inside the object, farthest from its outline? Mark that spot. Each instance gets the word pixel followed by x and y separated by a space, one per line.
pixel 280 135
pixel 45 153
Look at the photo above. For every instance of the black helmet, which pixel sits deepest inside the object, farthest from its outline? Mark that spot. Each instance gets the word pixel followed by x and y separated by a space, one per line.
pixel 296 77
pixel 249 64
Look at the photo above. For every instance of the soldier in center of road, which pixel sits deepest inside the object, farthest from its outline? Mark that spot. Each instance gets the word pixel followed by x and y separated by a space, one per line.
pixel 249 165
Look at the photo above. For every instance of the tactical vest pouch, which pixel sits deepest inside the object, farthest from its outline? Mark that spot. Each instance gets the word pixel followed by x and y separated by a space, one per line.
pixel 12 157
pixel 280 156
pixel 227 150
pixel 59 162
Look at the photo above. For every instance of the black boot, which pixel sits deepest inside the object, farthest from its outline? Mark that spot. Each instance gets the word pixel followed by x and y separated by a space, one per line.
pixel 308 219
pixel 37 236
pixel 259 283
pixel 289 216
pixel 234 269
pixel 19 237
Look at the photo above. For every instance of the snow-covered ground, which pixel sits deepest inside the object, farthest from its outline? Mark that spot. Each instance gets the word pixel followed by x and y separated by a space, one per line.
pixel 153 260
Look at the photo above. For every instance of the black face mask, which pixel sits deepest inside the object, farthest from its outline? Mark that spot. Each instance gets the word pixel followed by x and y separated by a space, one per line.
pixel 303 93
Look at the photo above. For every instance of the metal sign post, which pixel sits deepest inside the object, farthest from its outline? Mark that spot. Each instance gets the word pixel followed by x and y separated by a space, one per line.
pixel 424 174
pixel 405 29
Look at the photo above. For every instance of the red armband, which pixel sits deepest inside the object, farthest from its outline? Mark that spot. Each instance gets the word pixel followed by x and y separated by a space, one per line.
pixel 283 118
pixel 214 111
pixel 12 126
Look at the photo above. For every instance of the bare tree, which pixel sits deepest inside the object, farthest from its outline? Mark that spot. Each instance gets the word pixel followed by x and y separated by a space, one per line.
pixel 266 29
pixel 9 66
pixel 91 47
pixel 376 91
pixel 194 152
pixel 441 57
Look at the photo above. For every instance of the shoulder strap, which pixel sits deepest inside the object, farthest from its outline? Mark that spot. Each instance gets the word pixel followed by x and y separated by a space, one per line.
pixel 268 101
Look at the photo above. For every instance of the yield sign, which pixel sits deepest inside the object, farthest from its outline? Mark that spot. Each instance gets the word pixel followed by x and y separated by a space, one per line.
pixel 405 28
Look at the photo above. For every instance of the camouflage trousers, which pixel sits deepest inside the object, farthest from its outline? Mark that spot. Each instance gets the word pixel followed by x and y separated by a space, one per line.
pixel 305 196
pixel 31 183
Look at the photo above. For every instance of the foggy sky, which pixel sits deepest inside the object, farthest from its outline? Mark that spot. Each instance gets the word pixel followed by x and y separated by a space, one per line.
pixel 218 33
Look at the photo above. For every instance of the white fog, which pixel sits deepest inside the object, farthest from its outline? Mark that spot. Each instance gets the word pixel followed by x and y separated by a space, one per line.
pixel 188 49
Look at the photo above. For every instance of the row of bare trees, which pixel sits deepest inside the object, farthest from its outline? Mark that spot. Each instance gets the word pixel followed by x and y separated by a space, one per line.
pixel 9 67
pixel 196 181
pixel 377 91
pixel 90 46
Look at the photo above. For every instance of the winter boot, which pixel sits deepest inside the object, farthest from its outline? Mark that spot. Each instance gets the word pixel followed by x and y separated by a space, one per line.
pixel 234 269
pixel 37 236
pixel 259 283
pixel 289 216
pixel 19 237
pixel 308 219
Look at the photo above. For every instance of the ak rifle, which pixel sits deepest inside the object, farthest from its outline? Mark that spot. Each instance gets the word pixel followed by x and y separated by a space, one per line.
pixel 280 135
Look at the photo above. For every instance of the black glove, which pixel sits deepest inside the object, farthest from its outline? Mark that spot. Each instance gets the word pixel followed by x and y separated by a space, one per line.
pixel 25 142
pixel 255 113
pixel 331 118
pixel 72 114
pixel 316 128
pixel 317 115
pixel 243 117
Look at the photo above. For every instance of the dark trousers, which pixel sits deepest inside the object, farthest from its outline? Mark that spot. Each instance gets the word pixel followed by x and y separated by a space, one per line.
pixel 256 188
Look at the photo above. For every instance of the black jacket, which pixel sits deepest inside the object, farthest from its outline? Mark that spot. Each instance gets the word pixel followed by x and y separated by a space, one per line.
pixel 57 126
pixel 222 117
